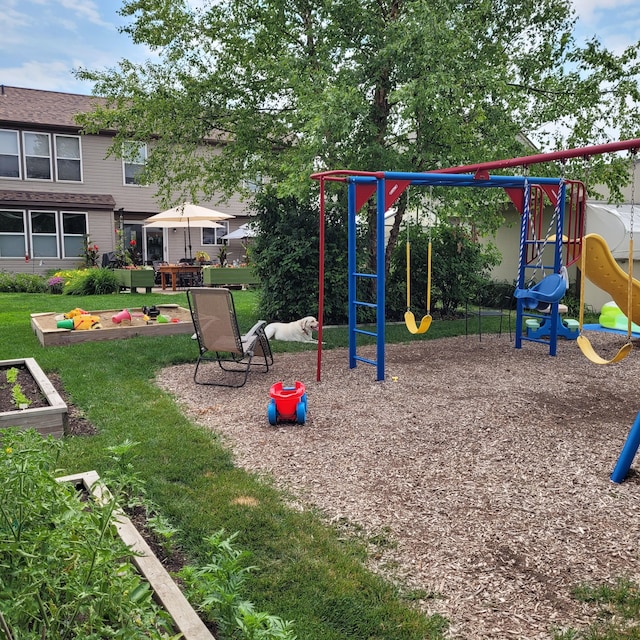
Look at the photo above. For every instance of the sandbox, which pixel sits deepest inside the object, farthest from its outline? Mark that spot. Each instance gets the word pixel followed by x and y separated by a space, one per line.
pixel 45 326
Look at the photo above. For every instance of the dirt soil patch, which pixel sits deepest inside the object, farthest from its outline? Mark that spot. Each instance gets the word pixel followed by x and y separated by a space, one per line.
pixel 483 468
pixel 77 423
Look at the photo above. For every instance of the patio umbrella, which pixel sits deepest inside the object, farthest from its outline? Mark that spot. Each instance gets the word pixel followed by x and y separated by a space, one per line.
pixel 184 225
pixel 242 232
pixel 189 213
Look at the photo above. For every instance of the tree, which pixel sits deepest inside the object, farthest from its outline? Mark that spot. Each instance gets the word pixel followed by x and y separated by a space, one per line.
pixel 285 253
pixel 283 88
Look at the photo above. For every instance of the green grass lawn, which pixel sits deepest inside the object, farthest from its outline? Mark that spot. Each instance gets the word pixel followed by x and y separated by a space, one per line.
pixel 307 571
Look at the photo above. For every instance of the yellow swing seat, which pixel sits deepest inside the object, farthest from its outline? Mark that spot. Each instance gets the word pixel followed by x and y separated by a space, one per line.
pixel 587 349
pixel 409 317
pixel 412 325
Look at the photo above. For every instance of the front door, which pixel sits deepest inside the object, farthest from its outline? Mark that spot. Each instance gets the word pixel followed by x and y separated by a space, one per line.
pixel 154 245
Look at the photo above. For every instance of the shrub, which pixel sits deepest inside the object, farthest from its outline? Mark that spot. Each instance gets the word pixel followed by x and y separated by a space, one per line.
pixel 22 283
pixel 460 269
pixel 285 257
pixel 92 282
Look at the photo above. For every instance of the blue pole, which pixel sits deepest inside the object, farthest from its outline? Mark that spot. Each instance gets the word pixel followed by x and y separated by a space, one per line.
pixel 351 266
pixel 380 254
pixel 628 453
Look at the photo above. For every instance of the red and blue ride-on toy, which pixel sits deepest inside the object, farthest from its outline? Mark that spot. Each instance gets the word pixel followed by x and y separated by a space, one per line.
pixel 288 404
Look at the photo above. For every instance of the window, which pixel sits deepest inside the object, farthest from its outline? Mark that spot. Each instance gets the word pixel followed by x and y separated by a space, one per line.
pixel 74 231
pixel 9 154
pixel 44 239
pixel 37 156
pixel 253 185
pixel 134 158
pixel 12 234
pixel 68 164
pixel 214 236
pixel 46 232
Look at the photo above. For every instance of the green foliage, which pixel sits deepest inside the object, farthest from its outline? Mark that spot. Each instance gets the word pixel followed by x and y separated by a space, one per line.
pixel 19 399
pixel 427 84
pixel 93 282
pixel 216 590
pixel 618 607
pixel 12 375
pixel 497 295
pixel 459 269
pixel 22 283
pixel 65 573
pixel 285 257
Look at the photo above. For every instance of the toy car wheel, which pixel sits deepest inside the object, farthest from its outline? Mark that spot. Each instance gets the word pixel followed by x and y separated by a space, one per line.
pixel 301 412
pixel 303 399
pixel 272 413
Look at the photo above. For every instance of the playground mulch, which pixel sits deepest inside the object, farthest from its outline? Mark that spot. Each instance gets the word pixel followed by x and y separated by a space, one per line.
pixel 487 467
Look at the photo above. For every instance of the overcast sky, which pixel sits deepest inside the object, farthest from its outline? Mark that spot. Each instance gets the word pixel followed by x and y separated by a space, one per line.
pixel 43 40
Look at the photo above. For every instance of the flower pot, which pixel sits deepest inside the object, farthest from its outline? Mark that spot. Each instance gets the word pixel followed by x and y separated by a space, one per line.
pixel 215 277
pixel 134 278
pixel 50 420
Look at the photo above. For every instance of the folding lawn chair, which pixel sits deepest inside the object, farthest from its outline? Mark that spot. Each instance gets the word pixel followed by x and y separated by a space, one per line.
pixel 219 338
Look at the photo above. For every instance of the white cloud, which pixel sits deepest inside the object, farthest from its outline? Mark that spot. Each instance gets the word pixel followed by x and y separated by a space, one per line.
pixel 48 76
pixel 85 10
pixel 587 10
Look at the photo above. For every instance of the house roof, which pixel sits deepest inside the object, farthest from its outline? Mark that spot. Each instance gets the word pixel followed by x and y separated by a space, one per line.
pixel 43 109
pixel 71 200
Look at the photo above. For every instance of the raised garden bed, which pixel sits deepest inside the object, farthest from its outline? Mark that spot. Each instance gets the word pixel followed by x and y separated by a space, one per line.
pixel 165 589
pixel 47 414
pixel 215 277
pixel 45 326
pixel 134 278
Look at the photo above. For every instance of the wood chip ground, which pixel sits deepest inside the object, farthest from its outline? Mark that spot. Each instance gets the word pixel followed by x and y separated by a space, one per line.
pixel 485 468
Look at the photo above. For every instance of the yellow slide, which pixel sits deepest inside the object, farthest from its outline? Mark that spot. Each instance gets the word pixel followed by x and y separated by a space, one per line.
pixel 602 269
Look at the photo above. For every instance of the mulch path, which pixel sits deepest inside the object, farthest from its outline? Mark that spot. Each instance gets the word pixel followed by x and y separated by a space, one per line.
pixel 485 469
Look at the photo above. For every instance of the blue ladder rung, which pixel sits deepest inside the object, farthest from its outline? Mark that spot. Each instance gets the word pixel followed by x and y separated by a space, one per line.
pixel 539 340
pixel 366 333
pixel 373 305
pixel 366 275
pixel 361 359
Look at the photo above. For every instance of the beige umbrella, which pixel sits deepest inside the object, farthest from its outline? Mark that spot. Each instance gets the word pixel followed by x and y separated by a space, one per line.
pixel 188 213
pixel 184 225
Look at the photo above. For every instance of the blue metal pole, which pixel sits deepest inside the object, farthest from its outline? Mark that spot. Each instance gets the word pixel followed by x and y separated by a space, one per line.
pixel 628 453
pixel 351 266
pixel 554 316
pixel 380 267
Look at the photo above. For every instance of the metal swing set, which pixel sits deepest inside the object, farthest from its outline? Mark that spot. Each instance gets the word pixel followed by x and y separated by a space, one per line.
pixel 528 195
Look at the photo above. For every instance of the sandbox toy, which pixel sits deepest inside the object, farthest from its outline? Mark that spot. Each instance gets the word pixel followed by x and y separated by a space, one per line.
pixel 288 404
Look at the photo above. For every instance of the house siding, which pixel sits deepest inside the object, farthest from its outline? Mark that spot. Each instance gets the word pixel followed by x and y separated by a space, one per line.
pixel 102 177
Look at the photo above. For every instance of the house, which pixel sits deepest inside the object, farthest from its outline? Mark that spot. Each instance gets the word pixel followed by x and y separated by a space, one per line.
pixel 59 190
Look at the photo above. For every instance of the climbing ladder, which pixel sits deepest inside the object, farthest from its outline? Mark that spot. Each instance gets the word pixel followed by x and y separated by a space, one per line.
pixel 563 237
pixel 355 276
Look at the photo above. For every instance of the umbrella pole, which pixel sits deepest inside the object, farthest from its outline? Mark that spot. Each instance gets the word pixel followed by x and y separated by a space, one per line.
pixel 184 235
pixel 189 231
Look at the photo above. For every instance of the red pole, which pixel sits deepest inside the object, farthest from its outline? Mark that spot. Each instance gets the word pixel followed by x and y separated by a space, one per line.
pixel 609 147
pixel 321 280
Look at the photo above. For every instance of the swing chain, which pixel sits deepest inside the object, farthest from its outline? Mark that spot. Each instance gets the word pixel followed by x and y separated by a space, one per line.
pixel 552 222
pixel 633 190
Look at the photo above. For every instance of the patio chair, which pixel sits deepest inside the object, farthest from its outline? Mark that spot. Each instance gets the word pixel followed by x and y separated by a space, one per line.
pixel 219 339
